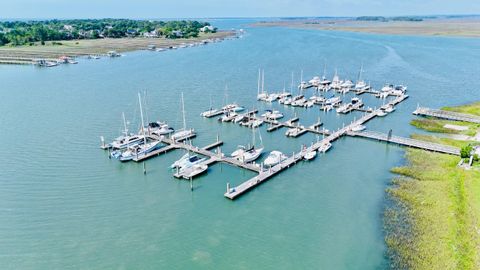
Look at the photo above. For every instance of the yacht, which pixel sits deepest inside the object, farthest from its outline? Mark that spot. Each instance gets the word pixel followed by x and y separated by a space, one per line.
pixel 324 147
pixel 358 128
pixel 274 115
pixel 387 88
pixel 209 113
pixel 328 108
pixel 310 155
pixel 159 128
pixel 271 98
pixel 381 113
pixel 136 151
pixel 336 82
pixel 228 116
pixel 294 132
pixel 195 170
pixel 316 81
pixel 389 109
pixel 125 141
pixel 333 100
pixel 239 118
pixel 308 104
pixel 298 102
pixel 274 158
pixel 344 108
pixel 256 123
pixel 347 84
pixel 186 161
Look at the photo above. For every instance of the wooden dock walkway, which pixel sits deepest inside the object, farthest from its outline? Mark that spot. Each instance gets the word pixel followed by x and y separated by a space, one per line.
pixel 435 147
pixel 447 115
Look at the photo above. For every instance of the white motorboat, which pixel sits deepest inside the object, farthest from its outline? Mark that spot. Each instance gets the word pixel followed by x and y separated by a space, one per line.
pixel 310 155
pixel 324 147
pixel 381 113
pixel 256 123
pixel 274 158
pixel 298 102
pixel 288 101
pixel 195 170
pixel 316 81
pixel 158 128
pixel 186 161
pixel 387 88
pixel 347 84
pixel 239 118
pixel 308 104
pixel 271 98
pixel 344 108
pixel 389 109
pixel 228 116
pixel 294 131
pixel 333 100
pixel 358 128
pixel 209 113
pixel 328 108
pixel 125 141
pixel 274 115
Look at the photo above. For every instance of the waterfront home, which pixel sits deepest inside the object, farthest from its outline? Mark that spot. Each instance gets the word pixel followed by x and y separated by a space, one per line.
pixel 151 34
pixel 177 33
pixel 207 28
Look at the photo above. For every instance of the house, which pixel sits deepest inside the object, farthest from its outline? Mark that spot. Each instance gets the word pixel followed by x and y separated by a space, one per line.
pixel 177 33
pixel 151 34
pixel 207 28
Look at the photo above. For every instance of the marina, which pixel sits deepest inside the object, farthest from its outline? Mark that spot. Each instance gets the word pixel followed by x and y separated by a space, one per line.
pixel 276 162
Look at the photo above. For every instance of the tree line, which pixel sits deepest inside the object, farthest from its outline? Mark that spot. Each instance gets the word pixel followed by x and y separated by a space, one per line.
pixel 28 32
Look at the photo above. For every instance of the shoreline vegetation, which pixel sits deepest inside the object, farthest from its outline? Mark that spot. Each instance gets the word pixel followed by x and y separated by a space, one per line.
pixel 433 218
pixel 24 42
pixel 460 26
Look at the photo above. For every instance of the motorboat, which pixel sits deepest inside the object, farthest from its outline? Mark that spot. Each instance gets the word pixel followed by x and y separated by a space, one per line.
pixel 309 103
pixel 294 131
pixel 328 108
pixel 299 102
pixel 138 151
pixel 211 112
pixel 347 84
pixel 344 108
pixel 158 128
pixel 389 109
pixel 125 141
pixel 358 128
pixel 239 118
pixel 324 147
pixel 316 81
pixel 195 170
pixel 333 100
pixel 274 158
pixel 256 123
pixel 228 116
pixel 387 88
pixel 381 113
pixel 310 155
pixel 186 161
pixel 271 98
pixel 272 114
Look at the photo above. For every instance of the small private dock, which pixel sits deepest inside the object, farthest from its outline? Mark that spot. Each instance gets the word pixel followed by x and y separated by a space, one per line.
pixel 422 111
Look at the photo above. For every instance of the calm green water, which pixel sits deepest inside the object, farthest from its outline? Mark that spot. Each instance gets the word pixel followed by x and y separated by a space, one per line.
pixel 65 205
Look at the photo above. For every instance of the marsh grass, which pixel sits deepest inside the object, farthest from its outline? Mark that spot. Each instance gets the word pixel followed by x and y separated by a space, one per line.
pixel 438 204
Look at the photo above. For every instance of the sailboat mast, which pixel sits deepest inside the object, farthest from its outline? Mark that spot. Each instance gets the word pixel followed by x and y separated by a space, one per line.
pixel 253 136
pixel 124 124
pixel 263 81
pixel 258 83
pixel 141 117
pixel 291 85
pixel 183 113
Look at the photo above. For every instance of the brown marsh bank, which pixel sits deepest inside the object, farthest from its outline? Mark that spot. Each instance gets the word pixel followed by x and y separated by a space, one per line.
pixel 460 27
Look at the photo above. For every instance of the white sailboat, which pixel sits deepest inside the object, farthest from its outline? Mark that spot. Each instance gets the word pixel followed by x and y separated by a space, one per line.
pixel 184 132
pixel 140 149
pixel 253 153
pixel 261 81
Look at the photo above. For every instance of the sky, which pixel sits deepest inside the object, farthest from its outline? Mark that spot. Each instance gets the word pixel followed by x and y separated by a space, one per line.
pixel 140 9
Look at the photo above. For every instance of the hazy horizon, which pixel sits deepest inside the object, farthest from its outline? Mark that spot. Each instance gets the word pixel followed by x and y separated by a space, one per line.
pixel 148 9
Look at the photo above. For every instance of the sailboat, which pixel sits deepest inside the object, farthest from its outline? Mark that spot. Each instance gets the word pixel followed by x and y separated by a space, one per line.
pixel 184 132
pixel 251 154
pixel 140 149
pixel 126 139
pixel 211 112
pixel 361 84
pixel 232 107
pixel 261 81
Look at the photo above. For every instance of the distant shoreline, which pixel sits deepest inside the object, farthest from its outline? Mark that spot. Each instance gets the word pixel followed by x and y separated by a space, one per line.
pixel 456 27
pixel 85 47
